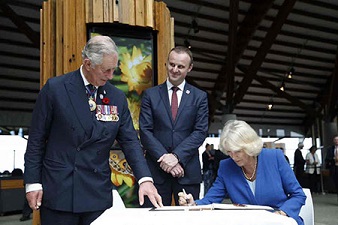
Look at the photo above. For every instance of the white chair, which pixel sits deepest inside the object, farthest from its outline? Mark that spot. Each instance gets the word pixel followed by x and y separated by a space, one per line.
pixel 306 212
pixel 117 201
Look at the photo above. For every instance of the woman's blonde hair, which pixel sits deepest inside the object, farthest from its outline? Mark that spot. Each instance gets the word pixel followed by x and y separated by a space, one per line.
pixel 238 135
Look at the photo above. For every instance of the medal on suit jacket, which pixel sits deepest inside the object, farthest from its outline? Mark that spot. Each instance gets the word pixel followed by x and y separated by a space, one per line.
pixel 107 113
pixel 92 104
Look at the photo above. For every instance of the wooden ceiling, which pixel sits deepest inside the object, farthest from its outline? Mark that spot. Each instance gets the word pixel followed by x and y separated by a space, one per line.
pixel 242 50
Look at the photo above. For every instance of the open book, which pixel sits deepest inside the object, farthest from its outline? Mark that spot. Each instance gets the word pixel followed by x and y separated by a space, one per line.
pixel 214 206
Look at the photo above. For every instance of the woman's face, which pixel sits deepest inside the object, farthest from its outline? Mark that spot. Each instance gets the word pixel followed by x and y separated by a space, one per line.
pixel 240 157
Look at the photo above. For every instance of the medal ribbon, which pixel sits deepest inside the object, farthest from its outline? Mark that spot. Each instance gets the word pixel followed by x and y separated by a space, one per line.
pixel 91 91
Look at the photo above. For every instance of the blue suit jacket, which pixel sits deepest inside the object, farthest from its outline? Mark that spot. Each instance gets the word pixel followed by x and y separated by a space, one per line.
pixel 276 185
pixel 68 149
pixel 160 134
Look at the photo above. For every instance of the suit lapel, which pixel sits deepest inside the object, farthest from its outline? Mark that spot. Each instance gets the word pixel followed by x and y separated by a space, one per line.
pixel 163 89
pixel 78 98
pixel 185 99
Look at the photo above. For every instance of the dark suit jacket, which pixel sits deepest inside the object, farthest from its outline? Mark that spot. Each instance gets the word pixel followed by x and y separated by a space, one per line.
pixel 329 159
pixel 299 163
pixel 160 134
pixel 68 148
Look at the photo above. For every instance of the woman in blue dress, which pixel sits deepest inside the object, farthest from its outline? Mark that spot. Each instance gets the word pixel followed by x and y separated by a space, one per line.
pixel 252 175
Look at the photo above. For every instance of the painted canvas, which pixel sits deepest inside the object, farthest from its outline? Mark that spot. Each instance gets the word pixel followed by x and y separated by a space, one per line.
pixel 135 73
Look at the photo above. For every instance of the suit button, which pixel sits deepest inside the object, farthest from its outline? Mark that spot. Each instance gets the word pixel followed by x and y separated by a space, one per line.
pixel 78 149
pixel 95 170
pixel 75 169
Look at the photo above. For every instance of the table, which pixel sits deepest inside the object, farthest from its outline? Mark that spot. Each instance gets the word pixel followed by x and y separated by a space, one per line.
pixel 12 194
pixel 142 216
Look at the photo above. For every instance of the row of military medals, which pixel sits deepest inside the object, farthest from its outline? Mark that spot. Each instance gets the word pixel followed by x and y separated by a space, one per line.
pixel 103 112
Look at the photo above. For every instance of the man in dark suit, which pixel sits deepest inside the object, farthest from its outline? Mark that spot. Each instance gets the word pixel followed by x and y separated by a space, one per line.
pixel 331 161
pixel 173 124
pixel 67 172
pixel 299 162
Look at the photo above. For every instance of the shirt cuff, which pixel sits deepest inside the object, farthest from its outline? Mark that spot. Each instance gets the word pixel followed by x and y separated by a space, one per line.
pixel 33 187
pixel 144 179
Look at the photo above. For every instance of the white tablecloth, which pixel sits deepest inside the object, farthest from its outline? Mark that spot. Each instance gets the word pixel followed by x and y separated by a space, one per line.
pixel 140 216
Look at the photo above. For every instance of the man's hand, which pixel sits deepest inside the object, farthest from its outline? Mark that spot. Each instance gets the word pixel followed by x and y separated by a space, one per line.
pixel 177 171
pixel 148 188
pixel 34 199
pixel 167 162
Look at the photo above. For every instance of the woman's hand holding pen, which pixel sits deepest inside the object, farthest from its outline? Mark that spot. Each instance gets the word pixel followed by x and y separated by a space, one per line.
pixel 185 199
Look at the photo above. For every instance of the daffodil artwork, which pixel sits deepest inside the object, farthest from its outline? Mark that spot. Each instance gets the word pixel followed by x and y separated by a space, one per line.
pixel 120 170
pixel 134 108
pixel 134 74
pixel 136 70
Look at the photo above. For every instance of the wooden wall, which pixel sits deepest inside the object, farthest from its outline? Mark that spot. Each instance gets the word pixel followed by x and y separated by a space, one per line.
pixel 63 30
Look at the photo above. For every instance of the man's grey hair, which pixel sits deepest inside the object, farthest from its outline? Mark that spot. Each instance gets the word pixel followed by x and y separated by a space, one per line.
pixel 97 47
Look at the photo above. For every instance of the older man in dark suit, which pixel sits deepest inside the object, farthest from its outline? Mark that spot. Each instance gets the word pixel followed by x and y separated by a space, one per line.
pixel 173 124
pixel 299 162
pixel 75 122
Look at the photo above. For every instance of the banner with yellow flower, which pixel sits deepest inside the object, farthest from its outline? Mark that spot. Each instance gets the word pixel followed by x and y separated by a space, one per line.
pixel 134 75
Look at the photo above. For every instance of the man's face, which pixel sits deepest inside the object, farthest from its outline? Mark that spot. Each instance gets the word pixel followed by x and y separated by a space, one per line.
pixel 178 66
pixel 335 140
pixel 100 74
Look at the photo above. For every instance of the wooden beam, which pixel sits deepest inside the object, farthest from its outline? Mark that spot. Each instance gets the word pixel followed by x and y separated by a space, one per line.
pixel 33 36
pixel 282 15
pixel 332 105
pixel 230 59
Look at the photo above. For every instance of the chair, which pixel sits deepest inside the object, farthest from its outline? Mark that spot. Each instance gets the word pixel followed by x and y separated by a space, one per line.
pixel 117 200
pixel 306 212
pixel 17 172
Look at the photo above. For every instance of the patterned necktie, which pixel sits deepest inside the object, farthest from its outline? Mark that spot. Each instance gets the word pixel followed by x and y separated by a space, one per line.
pixel 174 102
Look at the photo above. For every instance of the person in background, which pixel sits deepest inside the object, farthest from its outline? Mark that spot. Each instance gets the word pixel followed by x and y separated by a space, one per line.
pixel 331 161
pixel 299 162
pixel 76 119
pixel 208 160
pixel 313 169
pixel 252 175
pixel 219 155
pixel 173 125
pixel 286 158
pixel 26 211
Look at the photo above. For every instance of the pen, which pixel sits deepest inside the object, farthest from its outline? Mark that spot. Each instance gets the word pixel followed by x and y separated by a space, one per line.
pixel 185 196
pixel 185 193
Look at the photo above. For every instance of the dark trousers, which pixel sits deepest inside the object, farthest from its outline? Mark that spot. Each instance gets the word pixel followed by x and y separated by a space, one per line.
pixel 300 178
pixel 314 184
pixel 208 179
pixel 26 210
pixel 55 217
pixel 335 178
pixel 170 188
